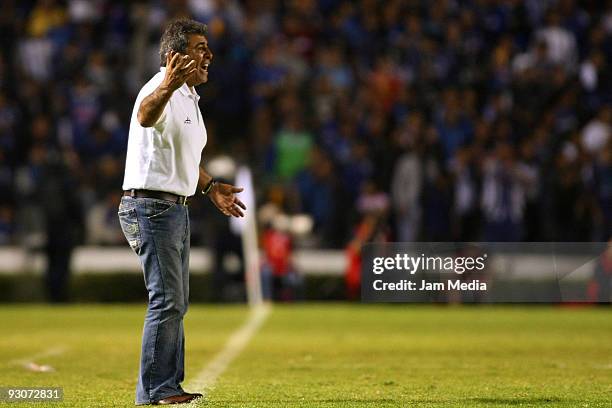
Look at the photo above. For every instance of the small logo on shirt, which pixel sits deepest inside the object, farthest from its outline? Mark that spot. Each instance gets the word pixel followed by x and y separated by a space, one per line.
pixel 187 121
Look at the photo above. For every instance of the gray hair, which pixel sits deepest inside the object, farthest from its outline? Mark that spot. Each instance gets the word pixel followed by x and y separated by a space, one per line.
pixel 176 36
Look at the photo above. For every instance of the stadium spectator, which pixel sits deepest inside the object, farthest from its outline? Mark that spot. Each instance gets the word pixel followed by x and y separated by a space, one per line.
pixel 63 215
pixel 318 194
pixel 280 279
pixel 101 226
pixel 503 196
pixel 406 185
pixel 596 133
pixel 7 224
pixel 466 211
pixel 292 147
pixel 600 286
pixel 560 42
pixel 373 209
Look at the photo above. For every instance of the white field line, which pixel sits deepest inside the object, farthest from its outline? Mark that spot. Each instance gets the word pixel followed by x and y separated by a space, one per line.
pixel 206 378
pixel 26 361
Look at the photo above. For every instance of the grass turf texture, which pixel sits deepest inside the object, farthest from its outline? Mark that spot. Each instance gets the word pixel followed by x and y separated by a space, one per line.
pixel 330 355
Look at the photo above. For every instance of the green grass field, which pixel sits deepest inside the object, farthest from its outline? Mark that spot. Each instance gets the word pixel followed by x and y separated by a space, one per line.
pixel 329 355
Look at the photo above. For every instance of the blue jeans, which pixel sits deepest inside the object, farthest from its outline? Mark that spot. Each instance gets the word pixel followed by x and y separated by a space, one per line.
pixel 158 231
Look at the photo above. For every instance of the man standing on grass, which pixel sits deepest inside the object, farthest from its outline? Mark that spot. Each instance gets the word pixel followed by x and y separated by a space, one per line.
pixel 166 139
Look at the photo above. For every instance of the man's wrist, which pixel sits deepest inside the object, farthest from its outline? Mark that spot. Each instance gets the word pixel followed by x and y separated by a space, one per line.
pixel 208 188
pixel 165 89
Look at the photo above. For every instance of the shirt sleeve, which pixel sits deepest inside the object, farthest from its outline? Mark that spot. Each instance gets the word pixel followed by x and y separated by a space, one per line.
pixel 147 90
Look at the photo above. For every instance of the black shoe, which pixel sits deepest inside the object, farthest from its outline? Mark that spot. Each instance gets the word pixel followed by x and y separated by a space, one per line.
pixel 185 398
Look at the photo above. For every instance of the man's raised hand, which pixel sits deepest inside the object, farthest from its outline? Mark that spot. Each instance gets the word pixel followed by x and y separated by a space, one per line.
pixel 178 68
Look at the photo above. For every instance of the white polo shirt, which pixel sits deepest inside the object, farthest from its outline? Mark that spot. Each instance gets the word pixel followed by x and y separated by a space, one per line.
pixel 166 157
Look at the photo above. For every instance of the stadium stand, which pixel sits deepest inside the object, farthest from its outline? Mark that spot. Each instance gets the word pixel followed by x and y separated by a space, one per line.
pixel 445 120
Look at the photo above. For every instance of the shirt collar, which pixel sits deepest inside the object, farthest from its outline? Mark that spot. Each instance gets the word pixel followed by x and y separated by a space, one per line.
pixel 184 89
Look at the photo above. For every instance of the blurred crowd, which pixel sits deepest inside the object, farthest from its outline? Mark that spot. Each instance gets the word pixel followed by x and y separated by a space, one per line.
pixel 402 119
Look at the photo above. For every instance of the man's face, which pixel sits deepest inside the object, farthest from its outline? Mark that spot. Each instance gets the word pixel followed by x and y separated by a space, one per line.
pixel 202 55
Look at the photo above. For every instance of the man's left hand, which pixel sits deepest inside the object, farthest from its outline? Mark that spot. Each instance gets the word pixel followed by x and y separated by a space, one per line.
pixel 224 197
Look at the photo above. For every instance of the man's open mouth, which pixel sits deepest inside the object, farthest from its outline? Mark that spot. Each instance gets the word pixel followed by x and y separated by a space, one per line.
pixel 205 66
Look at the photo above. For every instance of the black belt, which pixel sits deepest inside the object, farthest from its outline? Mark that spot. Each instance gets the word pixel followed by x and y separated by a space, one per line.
pixel 161 195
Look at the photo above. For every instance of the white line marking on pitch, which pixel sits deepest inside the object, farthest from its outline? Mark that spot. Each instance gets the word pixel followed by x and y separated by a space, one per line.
pixel 29 362
pixel 236 343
